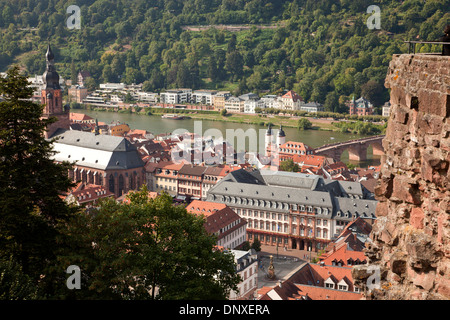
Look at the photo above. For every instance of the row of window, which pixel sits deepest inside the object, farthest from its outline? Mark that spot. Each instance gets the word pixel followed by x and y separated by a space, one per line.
pixel 166 180
pixel 271 204
pixel 342 287
pixel 170 188
pixel 190 183
pixel 262 225
pixel 280 217
pixel 189 191
pixel 224 241
pixel 231 225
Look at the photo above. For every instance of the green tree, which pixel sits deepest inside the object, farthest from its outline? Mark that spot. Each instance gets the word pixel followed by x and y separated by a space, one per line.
pixel 331 102
pixel 73 73
pixel 31 208
pixel 14 284
pixel 289 165
pixel 212 69
pixel 91 84
pixel 374 92
pixel 304 124
pixel 234 63
pixel 256 245
pixel 146 249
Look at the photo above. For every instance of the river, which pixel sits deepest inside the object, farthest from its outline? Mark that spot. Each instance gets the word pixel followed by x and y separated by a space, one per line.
pixel 156 125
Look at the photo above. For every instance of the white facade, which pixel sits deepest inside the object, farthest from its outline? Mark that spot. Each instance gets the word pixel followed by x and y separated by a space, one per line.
pixel 251 105
pixel 149 97
pixel 112 86
pixel 115 99
pixel 235 238
pixel 203 96
pixel 313 107
pixel 271 101
pixel 247 269
pixel 95 100
pixel 175 96
pixel 234 105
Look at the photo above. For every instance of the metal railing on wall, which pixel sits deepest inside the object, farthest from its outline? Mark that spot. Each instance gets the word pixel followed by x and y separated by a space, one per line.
pixel 412 44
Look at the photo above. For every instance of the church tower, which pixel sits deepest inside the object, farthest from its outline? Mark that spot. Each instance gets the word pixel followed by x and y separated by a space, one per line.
pixel 51 97
pixel 281 138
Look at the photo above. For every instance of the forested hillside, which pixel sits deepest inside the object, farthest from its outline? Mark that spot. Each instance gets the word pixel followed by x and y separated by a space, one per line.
pixel 322 49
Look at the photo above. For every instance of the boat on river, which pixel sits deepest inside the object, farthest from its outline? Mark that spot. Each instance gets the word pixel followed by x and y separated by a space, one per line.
pixel 172 116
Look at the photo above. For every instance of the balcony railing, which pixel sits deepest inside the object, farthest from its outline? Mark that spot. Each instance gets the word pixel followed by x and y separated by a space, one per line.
pixel 412 44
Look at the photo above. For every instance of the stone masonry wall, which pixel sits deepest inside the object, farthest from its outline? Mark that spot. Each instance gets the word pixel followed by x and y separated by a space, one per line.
pixel 410 238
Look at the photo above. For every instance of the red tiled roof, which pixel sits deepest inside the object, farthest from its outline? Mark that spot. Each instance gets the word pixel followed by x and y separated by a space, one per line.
pixel 294 291
pixel 316 274
pixel 85 193
pixel 307 160
pixel 342 254
pixel 79 116
pixel 294 145
pixel 204 207
pixel 124 198
pixel 218 216
pixel 292 95
pixel 319 293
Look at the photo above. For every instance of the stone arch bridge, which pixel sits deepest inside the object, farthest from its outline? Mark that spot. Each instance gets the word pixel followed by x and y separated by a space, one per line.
pixel 357 149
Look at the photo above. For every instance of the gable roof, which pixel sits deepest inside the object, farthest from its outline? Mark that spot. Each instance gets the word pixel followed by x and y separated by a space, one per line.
pixel 95 151
pixel 217 215
pixel 86 193
pixel 292 95
pixel 189 169
pixel 288 290
pixel 79 116
pixel 204 207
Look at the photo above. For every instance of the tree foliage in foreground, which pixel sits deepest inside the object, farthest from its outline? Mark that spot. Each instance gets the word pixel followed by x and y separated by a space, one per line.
pixel 146 249
pixel 30 186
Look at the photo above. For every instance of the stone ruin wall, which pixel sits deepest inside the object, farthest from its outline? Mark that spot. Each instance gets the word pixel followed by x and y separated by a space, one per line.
pixel 410 238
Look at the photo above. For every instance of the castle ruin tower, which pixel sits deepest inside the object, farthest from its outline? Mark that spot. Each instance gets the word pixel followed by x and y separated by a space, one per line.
pixel 410 238
pixel 51 97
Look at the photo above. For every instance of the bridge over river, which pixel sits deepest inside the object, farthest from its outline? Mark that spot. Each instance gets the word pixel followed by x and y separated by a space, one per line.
pixel 357 149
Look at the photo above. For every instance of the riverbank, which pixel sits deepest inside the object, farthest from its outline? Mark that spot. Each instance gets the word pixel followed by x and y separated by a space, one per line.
pixel 322 124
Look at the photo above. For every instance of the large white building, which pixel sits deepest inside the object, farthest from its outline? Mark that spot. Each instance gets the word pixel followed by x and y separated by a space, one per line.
pixel 174 96
pixel 313 107
pixel 247 268
pixel 296 210
pixel 291 101
pixel 251 105
pixel 112 86
pixel 204 97
pixel 271 101
pixel 234 105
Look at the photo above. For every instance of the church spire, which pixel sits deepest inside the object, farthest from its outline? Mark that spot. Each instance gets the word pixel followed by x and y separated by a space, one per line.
pixel 51 97
pixel 50 76
pixel 49 55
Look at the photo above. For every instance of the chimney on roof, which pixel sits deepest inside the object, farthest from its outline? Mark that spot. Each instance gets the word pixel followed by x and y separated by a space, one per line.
pixel 279 283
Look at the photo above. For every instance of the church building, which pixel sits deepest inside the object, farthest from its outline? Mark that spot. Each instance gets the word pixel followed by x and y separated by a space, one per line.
pixel 109 161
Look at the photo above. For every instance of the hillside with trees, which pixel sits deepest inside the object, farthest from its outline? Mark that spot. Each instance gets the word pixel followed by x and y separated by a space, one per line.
pixel 322 49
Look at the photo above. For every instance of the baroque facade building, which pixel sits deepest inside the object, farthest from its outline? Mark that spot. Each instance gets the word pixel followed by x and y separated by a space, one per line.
pixel 294 210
